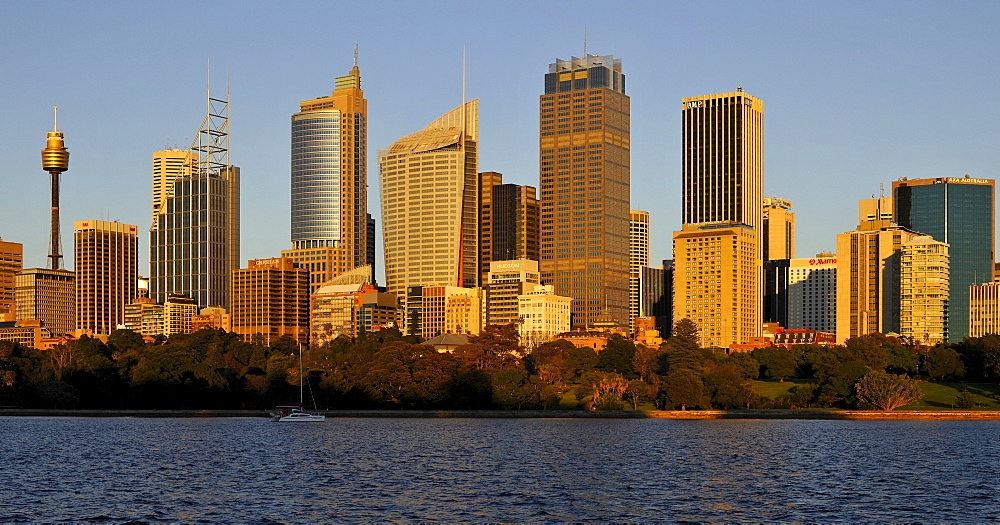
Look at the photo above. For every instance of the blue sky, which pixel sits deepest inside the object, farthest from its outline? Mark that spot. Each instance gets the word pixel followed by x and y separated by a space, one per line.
pixel 856 94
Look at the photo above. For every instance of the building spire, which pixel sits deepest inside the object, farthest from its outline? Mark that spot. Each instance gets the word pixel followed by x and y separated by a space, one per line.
pixel 584 42
pixel 55 118
pixel 355 54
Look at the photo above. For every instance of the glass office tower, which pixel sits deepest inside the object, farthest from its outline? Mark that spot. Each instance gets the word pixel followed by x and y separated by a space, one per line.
pixel 960 212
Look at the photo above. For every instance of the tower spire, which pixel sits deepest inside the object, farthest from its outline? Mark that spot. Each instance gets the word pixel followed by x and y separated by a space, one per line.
pixel 584 42
pixel 355 54
pixel 55 160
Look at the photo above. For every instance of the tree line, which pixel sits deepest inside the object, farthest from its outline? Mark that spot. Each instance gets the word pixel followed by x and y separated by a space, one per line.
pixel 212 369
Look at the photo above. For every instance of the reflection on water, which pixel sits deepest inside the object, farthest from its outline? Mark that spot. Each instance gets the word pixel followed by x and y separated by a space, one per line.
pixel 250 470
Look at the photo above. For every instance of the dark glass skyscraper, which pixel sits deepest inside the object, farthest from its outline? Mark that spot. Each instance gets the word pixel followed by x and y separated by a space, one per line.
pixel 584 191
pixel 960 212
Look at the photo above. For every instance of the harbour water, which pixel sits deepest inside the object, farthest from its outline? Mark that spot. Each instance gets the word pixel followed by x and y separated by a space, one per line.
pixel 248 470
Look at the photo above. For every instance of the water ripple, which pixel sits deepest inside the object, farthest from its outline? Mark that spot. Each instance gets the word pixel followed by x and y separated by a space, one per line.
pixel 247 470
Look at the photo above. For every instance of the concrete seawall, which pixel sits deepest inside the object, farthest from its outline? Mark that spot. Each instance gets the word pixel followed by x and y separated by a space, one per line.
pixel 508 414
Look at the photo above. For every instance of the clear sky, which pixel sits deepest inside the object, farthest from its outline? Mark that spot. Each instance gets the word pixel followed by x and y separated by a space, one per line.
pixel 856 94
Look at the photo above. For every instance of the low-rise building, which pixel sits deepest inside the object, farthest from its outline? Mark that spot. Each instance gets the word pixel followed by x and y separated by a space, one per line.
pixel 542 314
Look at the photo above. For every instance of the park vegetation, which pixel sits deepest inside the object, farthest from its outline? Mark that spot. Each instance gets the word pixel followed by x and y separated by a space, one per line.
pixel 213 369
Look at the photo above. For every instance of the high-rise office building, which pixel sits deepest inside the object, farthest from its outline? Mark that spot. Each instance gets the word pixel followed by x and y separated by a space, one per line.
pixel 48 296
pixel 959 211
pixel 584 174
pixel 271 299
pixel 778 229
pixel 106 262
pixel 330 182
pixel 868 278
pixel 801 294
pixel 923 291
pixel 11 262
pixel 716 270
pixel 429 183
pixel 638 258
pixel 168 165
pixel 723 158
pixel 723 179
pixel 195 238
pixel 508 222
pixel 655 293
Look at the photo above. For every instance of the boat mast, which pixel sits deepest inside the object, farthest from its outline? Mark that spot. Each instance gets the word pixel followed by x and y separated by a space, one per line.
pixel 302 399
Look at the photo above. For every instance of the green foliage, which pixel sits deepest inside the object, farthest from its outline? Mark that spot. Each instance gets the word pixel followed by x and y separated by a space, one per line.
pixel 683 387
pixel 871 350
pixel 965 399
pixel 748 367
pixel 776 362
pixel 943 362
pixel 725 388
pixel 887 391
pixel 617 357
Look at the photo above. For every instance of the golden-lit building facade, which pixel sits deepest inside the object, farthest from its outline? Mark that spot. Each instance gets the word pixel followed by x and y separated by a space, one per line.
pixel 144 317
pixel 11 262
pixel 348 309
pixel 777 230
pixel 271 298
pixel 168 165
pixel 507 280
pixel 543 315
pixel 178 310
pixel 212 318
pixel 329 210
pixel 451 310
pixel 106 262
pixel 508 222
pixel 717 254
pixel 584 147
pixel 723 158
pixel 716 282
pixel 48 296
pixel 638 258
pixel 868 279
pixel 984 309
pixel 923 290
pixel 429 182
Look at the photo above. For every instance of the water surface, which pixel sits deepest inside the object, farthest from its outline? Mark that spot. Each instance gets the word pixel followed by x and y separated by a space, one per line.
pixel 248 470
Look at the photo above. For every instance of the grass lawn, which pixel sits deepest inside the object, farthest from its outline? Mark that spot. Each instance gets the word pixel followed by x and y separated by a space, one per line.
pixel 773 389
pixel 941 396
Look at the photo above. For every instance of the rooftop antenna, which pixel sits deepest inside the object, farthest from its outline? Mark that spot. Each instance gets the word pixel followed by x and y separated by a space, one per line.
pixel 355 53
pixel 463 98
pixel 585 42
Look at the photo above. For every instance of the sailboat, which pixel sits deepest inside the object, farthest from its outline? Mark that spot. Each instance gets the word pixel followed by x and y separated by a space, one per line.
pixel 293 411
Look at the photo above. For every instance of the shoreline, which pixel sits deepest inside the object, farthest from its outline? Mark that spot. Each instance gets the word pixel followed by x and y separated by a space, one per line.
pixel 859 415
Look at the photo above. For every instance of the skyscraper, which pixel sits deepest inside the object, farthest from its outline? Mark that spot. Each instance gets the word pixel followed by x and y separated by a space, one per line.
pixel 717 255
pixel 508 222
pixel 271 299
pixel 429 183
pixel 868 278
pixel 195 238
pixel 106 263
pixel 923 294
pixel 723 158
pixel 584 174
pixel 11 262
pixel 168 165
pixel 959 211
pixel 638 259
pixel 778 230
pixel 330 181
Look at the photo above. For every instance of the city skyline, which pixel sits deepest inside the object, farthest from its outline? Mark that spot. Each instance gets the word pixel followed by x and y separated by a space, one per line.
pixel 832 138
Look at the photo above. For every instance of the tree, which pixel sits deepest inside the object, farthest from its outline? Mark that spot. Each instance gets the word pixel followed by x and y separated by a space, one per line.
pixel 965 399
pixel 776 362
pixel 682 347
pixel 943 362
pixel 870 350
pixel 887 391
pixel 683 387
pixel 617 357
pixel 748 367
pixel 725 388
pixel 636 391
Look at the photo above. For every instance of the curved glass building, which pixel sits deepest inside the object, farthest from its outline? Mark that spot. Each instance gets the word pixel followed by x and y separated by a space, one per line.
pixel 329 191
